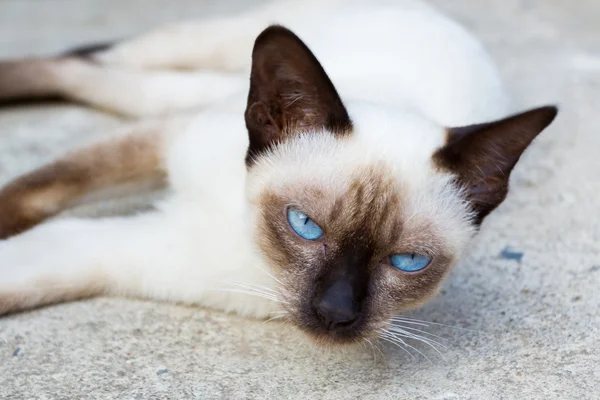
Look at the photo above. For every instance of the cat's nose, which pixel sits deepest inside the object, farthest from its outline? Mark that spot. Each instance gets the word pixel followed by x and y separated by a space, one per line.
pixel 336 309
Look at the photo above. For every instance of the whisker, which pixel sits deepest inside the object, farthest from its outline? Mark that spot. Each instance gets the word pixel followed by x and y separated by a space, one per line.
pixel 249 292
pixel 364 346
pixel 251 286
pixel 378 349
pixel 427 341
pixel 390 334
pixel 373 348
pixel 419 330
pixel 398 329
pixel 420 339
pixel 269 274
pixel 412 335
pixel 409 320
pixel 281 293
pixel 259 289
pixel 390 340
pixel 275 317
pixel 394 335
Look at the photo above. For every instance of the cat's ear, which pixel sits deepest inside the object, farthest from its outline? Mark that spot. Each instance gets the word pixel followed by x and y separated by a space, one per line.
pixel 483 156
pixel 289 93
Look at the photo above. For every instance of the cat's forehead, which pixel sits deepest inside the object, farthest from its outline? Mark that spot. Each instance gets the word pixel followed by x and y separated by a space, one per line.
pixel 394 146
pixel 399 133
pixel 356 183
pixel 402 142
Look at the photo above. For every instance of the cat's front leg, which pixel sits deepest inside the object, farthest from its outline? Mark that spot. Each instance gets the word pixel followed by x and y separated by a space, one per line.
pixel 159 255
pixel 131 157
pixel 77 258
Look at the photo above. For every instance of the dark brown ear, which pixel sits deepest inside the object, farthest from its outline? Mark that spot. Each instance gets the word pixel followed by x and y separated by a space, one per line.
pixel 289 93
pixel 484 155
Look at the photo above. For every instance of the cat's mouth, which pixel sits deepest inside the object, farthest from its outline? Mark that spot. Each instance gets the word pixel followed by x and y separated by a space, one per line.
pixel 333 329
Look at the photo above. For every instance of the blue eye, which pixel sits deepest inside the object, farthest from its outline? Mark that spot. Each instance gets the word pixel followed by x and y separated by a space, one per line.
pixel 409 262
pixel 303 225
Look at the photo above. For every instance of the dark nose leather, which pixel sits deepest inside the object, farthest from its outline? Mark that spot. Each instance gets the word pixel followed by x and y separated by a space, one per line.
pixel 336 308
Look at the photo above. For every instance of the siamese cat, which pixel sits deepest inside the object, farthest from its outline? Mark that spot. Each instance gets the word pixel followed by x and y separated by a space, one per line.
pixel 337 186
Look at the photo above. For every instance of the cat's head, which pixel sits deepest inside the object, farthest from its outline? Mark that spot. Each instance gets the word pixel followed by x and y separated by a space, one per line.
pixel 362 214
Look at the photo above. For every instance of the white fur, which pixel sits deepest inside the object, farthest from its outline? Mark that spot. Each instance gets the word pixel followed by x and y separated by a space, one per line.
pixel 404 72
pixel 156 93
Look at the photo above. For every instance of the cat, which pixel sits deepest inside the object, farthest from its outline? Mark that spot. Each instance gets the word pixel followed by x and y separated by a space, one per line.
pixel 335 188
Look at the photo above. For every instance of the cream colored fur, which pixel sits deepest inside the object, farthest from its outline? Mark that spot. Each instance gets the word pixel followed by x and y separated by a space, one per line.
pixel 404 71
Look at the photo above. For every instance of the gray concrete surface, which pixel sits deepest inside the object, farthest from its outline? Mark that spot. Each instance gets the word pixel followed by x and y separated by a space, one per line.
pixel 533 325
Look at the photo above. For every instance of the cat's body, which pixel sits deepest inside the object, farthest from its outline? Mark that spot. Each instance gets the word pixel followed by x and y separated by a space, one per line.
pixel 380 178
pixel 400 53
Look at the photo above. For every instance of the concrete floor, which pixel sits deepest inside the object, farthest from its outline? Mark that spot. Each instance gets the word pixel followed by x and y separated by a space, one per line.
pixel 533 325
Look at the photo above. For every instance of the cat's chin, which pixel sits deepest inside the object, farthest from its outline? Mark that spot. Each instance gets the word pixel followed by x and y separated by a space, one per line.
pixel 333 339
pixel 339 339
pixel 357 333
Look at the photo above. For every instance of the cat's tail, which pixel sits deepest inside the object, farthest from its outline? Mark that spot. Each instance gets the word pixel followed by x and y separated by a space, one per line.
pixel 39 78
pixel 28 79
pixel 79 78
